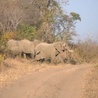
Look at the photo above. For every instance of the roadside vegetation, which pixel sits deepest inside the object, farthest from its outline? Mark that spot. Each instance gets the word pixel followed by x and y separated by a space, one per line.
pixel 86 51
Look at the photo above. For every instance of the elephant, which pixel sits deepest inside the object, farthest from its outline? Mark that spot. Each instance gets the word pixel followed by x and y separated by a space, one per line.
pixel 27 47
pixel 20 47
pixel 12 48
pixel 45 51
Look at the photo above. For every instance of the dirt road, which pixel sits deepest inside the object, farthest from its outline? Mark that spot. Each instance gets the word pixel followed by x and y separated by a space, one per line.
pixel 63 82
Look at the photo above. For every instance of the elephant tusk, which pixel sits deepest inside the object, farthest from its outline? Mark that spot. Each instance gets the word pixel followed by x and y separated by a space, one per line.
pixel 70 50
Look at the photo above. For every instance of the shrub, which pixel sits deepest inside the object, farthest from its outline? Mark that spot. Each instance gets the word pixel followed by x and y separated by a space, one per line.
pixel 8 35
pixel 5 37
pixel 26 31
pixel 87 51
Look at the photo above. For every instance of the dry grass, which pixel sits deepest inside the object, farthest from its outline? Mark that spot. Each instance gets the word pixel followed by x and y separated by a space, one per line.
pixel 2 56
pixel 87 51
pixel 13 69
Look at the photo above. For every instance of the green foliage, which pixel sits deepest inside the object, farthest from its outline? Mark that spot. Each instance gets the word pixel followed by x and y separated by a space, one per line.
pixel 75 16
pixel 26 31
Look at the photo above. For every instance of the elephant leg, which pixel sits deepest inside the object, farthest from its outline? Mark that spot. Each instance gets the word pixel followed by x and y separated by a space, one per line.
pixel 60 59
pixel 37 57
pixel 52 58
pixel 28 55
pixel 32 56
pixel 23 55
pixel 20 54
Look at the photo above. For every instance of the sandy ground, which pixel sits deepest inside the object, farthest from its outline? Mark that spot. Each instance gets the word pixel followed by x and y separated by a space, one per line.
pixel 91 84
pixel 52 82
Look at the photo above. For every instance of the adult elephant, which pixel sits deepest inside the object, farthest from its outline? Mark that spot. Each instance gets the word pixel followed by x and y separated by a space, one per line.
pixel 24 46
pixel 45 51
pixel 12 48
pixel 27 47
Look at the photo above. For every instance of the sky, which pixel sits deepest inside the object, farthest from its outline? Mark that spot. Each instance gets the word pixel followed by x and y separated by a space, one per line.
pixel 88 11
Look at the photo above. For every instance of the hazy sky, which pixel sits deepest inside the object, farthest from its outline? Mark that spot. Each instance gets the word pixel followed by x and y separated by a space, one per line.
pixel 88 10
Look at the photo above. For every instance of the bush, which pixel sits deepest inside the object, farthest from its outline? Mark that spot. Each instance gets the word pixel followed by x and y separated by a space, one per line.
pixel 5 37
pixel 8 35
pixel 26 31
pixel 87 51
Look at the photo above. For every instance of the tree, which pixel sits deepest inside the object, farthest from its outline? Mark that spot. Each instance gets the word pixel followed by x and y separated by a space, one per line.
pixel 10 15
pixel 64 25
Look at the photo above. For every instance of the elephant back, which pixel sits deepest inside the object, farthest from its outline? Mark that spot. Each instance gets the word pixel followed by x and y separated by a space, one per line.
pixel 36 42
pixel 12 43
pixel 25 46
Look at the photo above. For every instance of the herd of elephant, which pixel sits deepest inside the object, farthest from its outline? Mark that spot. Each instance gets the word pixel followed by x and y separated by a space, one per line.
pixel 39 51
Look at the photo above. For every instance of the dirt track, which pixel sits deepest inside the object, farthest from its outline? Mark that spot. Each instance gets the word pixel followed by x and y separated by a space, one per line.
pixel 63 82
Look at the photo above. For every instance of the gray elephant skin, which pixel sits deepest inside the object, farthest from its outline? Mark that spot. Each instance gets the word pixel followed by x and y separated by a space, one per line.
pixel 23 46
pixel 65 56
pixel 27 47
pixel 12 48
pixel 50 51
